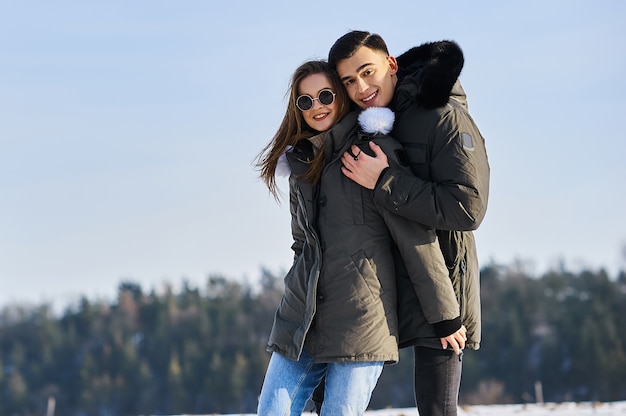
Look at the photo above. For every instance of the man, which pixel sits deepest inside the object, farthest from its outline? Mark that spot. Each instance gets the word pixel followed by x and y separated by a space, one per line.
pixel 448 192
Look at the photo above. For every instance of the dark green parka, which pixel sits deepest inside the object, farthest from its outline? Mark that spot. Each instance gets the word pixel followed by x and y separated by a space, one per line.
pixel 340 294
pixel 449 187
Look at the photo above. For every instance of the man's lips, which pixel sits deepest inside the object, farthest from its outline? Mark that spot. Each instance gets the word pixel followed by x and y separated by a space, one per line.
pixel 370 97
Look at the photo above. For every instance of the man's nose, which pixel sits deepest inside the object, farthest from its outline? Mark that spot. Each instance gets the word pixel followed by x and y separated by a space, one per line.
pixel 361 85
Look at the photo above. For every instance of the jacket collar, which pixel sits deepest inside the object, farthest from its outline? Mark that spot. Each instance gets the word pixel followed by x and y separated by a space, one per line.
pixel 297 158
pixel 339 135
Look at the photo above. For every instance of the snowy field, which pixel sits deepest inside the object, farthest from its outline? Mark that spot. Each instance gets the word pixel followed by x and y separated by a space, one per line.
pixel 547 409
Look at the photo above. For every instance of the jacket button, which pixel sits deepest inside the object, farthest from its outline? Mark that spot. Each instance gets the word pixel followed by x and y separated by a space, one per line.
pixel 320 298
pixel 322 201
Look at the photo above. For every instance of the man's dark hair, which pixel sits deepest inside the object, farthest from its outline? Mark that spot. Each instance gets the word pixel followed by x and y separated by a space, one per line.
pixel 347 45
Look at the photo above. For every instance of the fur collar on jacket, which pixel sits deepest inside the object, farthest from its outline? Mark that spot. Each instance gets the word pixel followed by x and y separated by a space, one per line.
pixel 434 68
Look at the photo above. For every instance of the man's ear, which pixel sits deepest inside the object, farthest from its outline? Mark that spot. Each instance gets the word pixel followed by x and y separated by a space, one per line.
pixel 393 64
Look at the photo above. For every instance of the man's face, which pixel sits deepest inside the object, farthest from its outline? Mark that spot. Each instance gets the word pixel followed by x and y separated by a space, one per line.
pixel 369 77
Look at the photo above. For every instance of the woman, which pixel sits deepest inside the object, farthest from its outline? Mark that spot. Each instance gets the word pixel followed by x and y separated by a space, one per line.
pixel 337 317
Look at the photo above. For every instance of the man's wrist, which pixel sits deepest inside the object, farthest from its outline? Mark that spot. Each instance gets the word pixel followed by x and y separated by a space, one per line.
pixel 446 328
pixel 380 176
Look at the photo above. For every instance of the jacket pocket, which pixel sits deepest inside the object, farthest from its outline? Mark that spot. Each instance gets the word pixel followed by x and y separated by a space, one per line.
pixel 369 286
pixel 416 152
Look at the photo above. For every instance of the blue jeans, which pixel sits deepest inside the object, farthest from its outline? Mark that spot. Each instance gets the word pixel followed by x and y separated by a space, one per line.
pixel 289 384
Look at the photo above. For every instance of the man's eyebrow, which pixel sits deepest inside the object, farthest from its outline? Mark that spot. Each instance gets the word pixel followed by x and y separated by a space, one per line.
pixel 347 77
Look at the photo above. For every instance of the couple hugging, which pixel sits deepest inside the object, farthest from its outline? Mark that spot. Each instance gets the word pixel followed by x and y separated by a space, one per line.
pixel 388 177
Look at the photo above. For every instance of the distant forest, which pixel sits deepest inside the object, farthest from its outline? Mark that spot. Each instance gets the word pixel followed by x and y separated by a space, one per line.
pixel 201 350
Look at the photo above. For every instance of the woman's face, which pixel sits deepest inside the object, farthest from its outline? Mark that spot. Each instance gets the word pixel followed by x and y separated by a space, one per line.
pixel 319 117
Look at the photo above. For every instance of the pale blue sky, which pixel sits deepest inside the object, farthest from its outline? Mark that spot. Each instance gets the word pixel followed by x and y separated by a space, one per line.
pixel 127 132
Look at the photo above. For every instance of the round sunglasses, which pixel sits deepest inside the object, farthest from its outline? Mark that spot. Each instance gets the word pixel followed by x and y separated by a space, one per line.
pixel 325 97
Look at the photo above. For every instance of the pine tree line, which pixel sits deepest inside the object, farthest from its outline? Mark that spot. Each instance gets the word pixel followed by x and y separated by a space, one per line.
pixel 202 350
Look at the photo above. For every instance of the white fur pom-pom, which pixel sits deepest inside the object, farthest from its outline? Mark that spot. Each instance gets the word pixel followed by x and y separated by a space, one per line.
pixel 377 120
pixel 282 166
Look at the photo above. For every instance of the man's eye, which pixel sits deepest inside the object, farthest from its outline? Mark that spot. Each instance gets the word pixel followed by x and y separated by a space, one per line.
pixel 348 82
pixel 368 72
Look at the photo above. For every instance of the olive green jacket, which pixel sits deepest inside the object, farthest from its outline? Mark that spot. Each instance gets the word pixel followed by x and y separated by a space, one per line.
pixel 340 294
pixel 449 187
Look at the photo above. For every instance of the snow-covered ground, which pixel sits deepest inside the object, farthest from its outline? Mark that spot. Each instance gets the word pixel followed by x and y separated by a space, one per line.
pixel 547 409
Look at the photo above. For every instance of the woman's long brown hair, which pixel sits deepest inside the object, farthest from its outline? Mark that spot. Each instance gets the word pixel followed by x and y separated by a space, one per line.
pixel 293 128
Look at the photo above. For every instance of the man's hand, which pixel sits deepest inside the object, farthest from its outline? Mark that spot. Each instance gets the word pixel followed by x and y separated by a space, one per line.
pixel 364 169
pixel 456 340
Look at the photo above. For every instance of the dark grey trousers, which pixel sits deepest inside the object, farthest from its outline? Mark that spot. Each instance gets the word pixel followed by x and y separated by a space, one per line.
pixel 437 381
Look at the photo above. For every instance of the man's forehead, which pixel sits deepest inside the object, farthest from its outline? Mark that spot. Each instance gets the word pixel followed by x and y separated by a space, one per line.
pixel 362 58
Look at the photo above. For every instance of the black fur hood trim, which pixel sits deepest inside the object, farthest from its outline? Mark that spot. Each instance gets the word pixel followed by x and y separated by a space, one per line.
pixel 434 68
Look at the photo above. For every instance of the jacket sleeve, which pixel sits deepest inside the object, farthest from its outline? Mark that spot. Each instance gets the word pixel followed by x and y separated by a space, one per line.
pixel 296 231
pixel 424 262
pixel 426 268
pixel 451 192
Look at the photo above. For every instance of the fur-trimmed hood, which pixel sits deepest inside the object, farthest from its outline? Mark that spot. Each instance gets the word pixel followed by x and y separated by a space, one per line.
pixel 434 69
